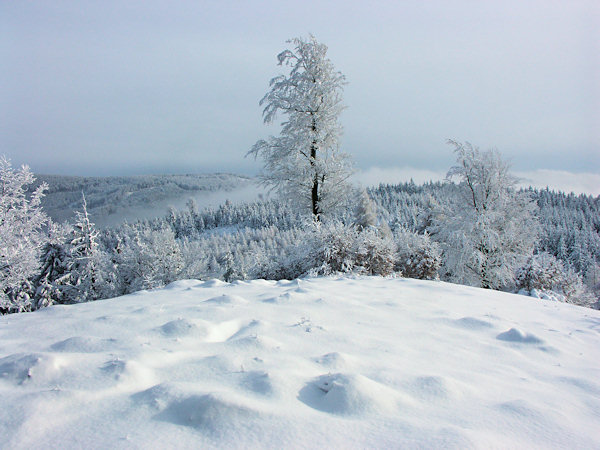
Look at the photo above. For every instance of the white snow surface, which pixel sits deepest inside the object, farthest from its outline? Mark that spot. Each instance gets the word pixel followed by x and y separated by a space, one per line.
pixel 361 362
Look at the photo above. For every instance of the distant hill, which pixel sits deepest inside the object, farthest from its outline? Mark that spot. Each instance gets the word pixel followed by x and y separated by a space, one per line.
pixel 111 200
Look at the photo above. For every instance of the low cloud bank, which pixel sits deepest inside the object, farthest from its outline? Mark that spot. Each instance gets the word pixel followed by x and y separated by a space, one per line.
pixel 559 180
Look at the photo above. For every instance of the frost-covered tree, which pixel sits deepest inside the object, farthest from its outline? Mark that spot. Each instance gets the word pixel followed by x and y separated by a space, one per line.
pixel 488 228
pixel 149 258
pixel 22 236
pixel 85 267
pixel 55 273
pixel 304 163
pixel 365 212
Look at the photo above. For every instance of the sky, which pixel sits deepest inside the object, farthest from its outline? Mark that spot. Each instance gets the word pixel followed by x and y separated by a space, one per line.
pixel 138 87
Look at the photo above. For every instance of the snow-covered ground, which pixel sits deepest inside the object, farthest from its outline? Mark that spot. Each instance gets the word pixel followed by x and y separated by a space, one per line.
pixel 316 363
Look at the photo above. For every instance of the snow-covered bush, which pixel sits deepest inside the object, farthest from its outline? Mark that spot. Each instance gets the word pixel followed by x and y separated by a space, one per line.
pixel 149 259
pixel 417 256
pixel 331 249
pixel 542 272
pixel 575 291
pixel 544 276
pixel 592 280
pixel 334 247
pixel 374 252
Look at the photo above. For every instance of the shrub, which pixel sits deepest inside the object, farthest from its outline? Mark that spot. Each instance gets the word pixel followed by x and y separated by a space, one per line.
pixel 417 256
pixel 544 276
pixel 334 247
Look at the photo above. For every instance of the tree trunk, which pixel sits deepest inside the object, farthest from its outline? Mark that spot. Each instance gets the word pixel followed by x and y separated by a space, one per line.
pixel 314 194
pixel 316 210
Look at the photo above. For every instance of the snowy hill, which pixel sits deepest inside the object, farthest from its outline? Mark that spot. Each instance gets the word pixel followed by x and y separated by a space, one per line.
pixel 331 362
pixel 111 200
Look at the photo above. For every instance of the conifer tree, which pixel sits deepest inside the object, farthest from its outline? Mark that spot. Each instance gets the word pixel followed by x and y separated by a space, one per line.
pixel 86 277
pixel 22 235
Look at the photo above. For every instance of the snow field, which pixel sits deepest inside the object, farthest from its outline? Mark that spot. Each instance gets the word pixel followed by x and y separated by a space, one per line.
pixel 329 362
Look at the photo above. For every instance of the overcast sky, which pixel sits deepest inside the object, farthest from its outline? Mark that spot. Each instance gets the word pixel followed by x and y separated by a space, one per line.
pixel 135 87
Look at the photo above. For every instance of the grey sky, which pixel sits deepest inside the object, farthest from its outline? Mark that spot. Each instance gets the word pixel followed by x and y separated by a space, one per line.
pixel 115 87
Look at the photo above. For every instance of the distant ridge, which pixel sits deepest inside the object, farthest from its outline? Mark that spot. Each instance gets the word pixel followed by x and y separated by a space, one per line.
pixel 112 199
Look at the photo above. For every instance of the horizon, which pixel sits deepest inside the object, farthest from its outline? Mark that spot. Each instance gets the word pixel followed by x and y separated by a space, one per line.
pixel 562 181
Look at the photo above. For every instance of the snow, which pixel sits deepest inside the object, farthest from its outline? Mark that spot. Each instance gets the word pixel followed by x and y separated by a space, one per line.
pixel 329 362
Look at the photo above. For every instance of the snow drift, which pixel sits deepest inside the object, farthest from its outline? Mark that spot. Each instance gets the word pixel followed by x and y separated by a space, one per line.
pixel 329 362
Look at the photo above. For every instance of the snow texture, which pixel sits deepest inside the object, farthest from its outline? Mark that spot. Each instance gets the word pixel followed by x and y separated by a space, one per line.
pixel 359 362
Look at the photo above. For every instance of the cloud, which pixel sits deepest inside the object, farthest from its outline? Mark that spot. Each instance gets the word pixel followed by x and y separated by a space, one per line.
pixel 559 180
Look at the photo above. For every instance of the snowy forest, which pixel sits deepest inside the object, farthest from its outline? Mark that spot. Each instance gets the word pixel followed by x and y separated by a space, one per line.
pixel 393 230
pixel 476 228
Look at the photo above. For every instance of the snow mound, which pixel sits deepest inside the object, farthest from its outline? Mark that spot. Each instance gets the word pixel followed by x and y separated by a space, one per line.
pixel 156 397
pixel 83 344
pixel 433 388
pixel 251 329
pixel 516 335
pixel 280 299
pixel 222 364
pixel 336 361
pixel 21 368
pixel 222 331
pixel 179 328
pixel 212 413
pixel 130 374
pixel 258 381
pixel 225 299
pixel 183 284
pixel 255 342
pixel 349 394
pixel 212 284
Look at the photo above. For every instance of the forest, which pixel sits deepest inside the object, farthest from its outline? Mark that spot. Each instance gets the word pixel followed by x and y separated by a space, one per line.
pixel 393 230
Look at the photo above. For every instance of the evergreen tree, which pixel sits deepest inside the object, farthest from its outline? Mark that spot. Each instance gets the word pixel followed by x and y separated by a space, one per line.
pixel 365 212
pixel 86 277
pixel 22 236
pixel 55 271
